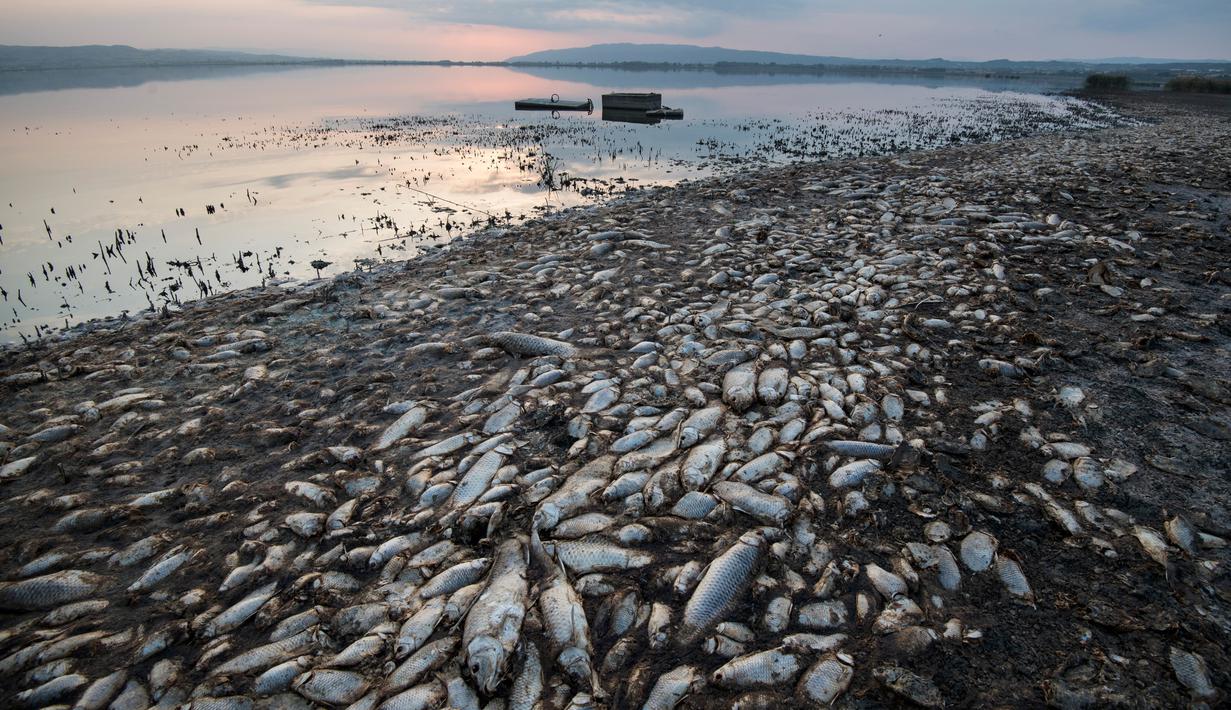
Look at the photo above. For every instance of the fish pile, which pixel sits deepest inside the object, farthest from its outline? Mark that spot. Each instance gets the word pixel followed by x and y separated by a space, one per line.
pixel 793 448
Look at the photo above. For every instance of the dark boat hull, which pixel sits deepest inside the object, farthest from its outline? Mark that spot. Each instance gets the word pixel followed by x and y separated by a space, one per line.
pixel 553 105
pixel 633 102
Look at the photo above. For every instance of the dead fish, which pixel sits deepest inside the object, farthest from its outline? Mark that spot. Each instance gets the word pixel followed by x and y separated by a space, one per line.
pixel 240 612
pixel 861 449
pixel 766 508
pixel 764 669
pixel 673 686
pixel 269 654
pixel 1001 368
pixel 739 386
pixel 51 691
pixel 597 555
pixel 721 587
pixel 700 424
pixel 1152 543
pixel 49 591
pixel 915 688
pixel 525 344
pixel 825 680
pixel 14 469
pixel 1182 534
pixel 852 474
pixel 493 625
pixel 978 550
pixel 279 678
pixel 101 691
pixel 395 432
pixel 1013 578
pixel 428 696
pixel 566 628
pixel 416 630
pixel 363 649
pixel 824 615
pixel 1191 671
pixel 331 687
pixel 428 658
pixel 528 685
pixel 702 463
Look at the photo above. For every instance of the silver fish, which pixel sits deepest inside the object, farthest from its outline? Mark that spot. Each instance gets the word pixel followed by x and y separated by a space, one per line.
pixel 700 424
pixel 240 612
pixel 331 687
pixel 395 432
pixel 428 658
pixel 418 628
pixel 566 628
pixel 978 550
pixel 525 344
pixel 852 474
pixel 702 463
pixel 528 685
pixel 768 509
pixel 586 556
pixel 720 589
pixel 826 680
pixel 673 686
pixel 427 696
pixel 1191 671
pixel 739 386
pixel 763 669
pixel 50 590
pixel 493 625
pixel 278 679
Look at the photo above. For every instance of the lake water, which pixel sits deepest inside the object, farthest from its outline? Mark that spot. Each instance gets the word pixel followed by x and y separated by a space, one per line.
pixel 123 190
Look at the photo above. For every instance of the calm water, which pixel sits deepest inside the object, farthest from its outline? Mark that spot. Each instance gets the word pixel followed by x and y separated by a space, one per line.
pixel 124 190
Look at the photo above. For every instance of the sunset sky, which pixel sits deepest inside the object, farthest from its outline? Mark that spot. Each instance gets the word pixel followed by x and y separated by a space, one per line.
pixel 497 29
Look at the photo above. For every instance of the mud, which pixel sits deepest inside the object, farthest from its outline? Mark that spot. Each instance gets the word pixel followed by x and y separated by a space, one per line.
pixel 1154 204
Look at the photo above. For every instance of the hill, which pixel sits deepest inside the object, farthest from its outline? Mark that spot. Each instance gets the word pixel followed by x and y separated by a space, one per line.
pixel 94 56
pixel 628 53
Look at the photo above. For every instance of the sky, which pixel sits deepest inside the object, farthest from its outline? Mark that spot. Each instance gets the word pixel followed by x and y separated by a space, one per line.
pixel 498 29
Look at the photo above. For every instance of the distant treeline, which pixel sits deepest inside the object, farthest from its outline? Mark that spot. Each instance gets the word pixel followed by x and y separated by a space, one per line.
pixel 1201 84
pixel 1107 82
pixel 771 68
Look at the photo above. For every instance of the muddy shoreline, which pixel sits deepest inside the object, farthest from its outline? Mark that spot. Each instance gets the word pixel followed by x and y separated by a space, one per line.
pixel 1059 301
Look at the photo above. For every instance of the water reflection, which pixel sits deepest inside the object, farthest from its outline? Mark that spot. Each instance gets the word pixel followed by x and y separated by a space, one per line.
pixel 628 115
pixel 659 78
pixel 22 82
pixel 132 197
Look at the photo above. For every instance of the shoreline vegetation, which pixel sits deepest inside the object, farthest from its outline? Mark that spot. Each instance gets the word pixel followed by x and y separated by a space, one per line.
pixel 1200 84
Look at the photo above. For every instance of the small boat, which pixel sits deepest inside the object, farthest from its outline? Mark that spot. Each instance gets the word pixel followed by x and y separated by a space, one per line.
pixel 666 112
pixel 634 102
pixel 555 103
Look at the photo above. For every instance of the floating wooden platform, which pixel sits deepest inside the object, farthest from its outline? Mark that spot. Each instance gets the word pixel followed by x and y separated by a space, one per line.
pixel 555 103
pixel 634 102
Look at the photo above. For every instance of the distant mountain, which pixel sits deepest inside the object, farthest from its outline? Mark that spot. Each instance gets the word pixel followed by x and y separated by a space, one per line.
pixel 626 53
pixel 94 56
pixel 666 54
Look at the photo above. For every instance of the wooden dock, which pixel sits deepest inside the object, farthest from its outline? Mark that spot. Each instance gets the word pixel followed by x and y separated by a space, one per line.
pixel 555 103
